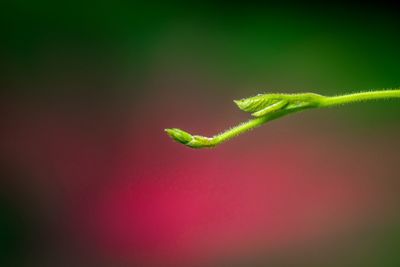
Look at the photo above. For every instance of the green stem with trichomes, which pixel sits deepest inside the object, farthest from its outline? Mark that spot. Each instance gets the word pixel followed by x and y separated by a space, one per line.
pixel 267 107
pixel 359 97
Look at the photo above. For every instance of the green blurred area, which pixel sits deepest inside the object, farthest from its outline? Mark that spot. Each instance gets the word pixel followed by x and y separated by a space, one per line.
pixel 253 47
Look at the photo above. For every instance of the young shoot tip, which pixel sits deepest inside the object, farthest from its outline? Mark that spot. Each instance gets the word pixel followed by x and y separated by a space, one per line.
pixel 192 141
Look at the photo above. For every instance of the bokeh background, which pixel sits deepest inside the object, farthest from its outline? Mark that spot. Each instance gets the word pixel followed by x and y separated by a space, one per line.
pixel 89 178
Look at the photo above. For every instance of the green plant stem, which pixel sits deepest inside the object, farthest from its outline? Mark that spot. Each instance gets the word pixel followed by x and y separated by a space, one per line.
pixel 295 103
pixel 359 97
pixel 244 127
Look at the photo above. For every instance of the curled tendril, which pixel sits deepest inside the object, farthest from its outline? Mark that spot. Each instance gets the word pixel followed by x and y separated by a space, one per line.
pixel 267 107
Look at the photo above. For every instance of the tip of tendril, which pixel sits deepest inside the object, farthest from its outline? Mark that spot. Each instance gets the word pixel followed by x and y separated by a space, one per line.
pixel 179 136
pixel 193 141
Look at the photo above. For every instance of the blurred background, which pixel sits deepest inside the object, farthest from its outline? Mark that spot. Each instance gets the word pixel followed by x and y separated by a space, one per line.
pixel 89 178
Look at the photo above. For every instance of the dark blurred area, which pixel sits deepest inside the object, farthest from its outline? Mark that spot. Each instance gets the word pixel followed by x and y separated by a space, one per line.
pixel 89 178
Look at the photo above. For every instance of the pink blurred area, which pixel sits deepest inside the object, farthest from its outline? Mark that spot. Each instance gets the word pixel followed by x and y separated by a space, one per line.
pixel 117 188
